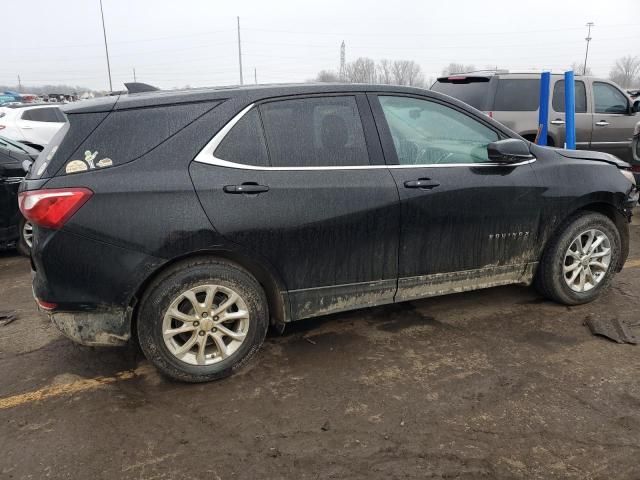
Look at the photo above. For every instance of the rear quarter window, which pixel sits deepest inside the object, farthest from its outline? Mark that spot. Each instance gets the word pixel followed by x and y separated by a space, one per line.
pixel 517 95
pixel 474 93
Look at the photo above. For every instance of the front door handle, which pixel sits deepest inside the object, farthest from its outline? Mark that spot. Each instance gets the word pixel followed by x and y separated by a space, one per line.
pixel 557 121
pixel 422 183
pixel 602 123
pixel 245 188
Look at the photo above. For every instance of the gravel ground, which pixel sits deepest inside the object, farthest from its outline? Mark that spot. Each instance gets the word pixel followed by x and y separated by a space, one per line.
pixel 491 384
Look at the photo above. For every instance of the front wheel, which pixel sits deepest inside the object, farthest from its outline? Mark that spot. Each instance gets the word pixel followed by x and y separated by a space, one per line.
pixel 202 320
pixel 579 262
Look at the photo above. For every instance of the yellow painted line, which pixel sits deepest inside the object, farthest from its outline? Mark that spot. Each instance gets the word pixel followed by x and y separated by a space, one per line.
pixel 632 263
pixel 63 389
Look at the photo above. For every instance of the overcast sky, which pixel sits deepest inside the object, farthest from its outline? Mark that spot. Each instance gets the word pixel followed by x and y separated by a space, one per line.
pixel 193 42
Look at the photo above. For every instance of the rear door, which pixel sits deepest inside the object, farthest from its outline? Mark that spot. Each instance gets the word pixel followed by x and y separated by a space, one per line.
pixel 612 124
pixel 465 222
pixel 39 125
pixel 299 183
pixel 557 116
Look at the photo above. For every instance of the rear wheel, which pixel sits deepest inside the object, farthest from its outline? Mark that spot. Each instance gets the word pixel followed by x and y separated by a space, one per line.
pixel 580 261
pixel 25 240
pixel 202 321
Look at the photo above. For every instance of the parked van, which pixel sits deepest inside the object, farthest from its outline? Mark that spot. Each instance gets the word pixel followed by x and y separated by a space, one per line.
pixel 605 114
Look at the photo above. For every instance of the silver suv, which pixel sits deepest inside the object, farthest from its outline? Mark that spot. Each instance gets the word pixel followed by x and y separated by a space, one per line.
pixel 605 115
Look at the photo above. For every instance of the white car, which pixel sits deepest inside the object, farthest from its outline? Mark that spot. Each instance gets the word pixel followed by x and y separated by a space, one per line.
pixel 31 124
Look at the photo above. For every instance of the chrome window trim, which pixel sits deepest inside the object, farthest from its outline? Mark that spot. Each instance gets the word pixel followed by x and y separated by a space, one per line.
pixel 206 155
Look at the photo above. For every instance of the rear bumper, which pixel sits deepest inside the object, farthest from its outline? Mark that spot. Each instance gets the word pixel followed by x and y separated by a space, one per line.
pixel 91 286
pixel 104 329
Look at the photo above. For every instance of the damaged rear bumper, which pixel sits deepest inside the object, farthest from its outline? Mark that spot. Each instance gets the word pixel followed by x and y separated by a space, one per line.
pixel 96 328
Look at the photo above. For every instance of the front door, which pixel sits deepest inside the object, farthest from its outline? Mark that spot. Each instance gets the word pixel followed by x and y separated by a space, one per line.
pixel 465 223
pixel 612 123
pixel 301 184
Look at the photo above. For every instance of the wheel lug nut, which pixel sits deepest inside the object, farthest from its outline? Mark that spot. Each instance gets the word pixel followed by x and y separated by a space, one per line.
pixel 215 318
pixel 214 329
pixel 204 314
pixel 201 333
pixel 196 323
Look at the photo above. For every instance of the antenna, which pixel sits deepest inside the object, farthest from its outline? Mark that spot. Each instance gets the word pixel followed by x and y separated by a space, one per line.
pixel 343 74
pixel 588 39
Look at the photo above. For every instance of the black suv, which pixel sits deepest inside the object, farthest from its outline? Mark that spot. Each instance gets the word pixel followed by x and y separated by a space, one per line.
pixel 192 220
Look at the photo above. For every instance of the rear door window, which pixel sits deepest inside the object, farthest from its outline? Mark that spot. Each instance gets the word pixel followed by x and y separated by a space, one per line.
pixel 558 97
pixel 517 95
pixel 312 132
pixel 43 115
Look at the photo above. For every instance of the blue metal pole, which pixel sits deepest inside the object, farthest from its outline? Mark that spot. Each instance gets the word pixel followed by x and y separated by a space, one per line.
pixel 543 111
pixel 570 110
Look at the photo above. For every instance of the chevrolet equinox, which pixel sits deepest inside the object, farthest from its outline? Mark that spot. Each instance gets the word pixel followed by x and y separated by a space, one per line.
pixel 190 221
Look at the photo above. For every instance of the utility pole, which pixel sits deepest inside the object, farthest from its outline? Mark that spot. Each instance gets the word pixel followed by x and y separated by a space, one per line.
pixel 19 84
pixel 106 49
pixel 134 74
pixel 239 51
pixel 586 55
pixel 342 74
pixel 255 75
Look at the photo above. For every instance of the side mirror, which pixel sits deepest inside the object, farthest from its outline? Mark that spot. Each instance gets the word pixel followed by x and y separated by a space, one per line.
pixel 635 107
pixel 511 150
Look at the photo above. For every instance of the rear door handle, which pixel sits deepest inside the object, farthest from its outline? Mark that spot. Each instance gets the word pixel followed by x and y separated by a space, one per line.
pixel 245 188
pixel 602 123
pixel 422 183
pixel 557 121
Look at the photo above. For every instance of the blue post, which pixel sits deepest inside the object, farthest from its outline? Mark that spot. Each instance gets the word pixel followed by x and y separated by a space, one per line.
pixel 543 112
pixel 570 110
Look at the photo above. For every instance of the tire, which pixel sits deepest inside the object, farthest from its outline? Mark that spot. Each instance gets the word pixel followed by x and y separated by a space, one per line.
pixel 165 308
pixel 558 266
pixel 25 238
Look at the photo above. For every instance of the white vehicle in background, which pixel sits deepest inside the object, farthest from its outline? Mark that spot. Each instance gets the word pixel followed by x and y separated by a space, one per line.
pixel 32 124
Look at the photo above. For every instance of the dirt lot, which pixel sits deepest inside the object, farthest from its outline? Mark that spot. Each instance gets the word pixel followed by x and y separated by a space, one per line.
pixel 491 384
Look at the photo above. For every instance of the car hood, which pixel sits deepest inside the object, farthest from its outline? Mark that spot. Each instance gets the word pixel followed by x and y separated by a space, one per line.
pixel 590 155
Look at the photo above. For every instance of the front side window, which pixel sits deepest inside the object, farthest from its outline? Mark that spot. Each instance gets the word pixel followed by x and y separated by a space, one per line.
pixel 609 99
pixel 426 132
pixel 317 131
pixel 580 97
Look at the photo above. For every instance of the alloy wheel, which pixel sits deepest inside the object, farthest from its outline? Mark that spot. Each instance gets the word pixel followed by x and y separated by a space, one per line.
pixel 205 324
pixel 587 260
pixel 27 233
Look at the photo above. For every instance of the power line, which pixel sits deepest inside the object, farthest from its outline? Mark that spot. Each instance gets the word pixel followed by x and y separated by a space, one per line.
pixel 239 51
pixel 586 55
pixel 106 49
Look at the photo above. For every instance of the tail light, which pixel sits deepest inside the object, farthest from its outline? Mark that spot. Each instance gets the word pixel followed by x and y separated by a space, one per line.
pixel 51 208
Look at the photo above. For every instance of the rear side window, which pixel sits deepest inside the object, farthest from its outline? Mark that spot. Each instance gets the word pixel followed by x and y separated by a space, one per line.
pixel 517 95
pixel 473 91
pixel 558 97
pixel 245 142
pixel 319 131
pixel 43 115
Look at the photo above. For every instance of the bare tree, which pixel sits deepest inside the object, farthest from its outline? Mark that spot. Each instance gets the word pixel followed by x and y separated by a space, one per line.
pixel 361 70
pixel 457 68
pixel 407 72
pixel 578 69
pixel 626 71
pixel 384 72
pixel 327 76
